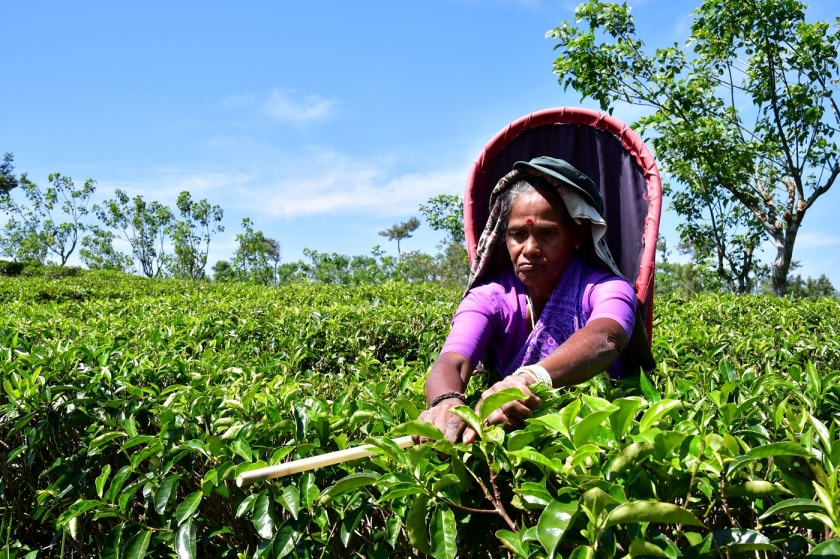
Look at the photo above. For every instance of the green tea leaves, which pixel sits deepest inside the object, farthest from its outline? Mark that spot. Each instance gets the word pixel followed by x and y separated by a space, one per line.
pixel 443 531
pixel 647 511
pixel 656 412
pixel 498 399
pixel 188 507
pixel 553 523
pixel 264 515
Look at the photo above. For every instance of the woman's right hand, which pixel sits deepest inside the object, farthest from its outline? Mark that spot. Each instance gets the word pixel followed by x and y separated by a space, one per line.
pixel 450 424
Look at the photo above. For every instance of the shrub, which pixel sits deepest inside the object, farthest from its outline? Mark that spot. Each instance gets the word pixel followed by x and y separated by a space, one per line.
pixel 10 269
pixel 51 272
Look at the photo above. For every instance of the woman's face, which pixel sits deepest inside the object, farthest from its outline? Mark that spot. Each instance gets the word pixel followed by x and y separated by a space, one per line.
pixel 540 242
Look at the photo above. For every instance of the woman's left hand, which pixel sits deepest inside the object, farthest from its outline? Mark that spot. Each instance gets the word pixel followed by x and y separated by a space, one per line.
pixel 513 414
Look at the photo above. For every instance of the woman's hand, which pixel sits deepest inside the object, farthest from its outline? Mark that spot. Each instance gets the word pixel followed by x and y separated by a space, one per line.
pixel 450 424
pixel 513 414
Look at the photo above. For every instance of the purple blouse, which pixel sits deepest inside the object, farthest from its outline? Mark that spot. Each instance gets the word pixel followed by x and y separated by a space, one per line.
pixel 492 318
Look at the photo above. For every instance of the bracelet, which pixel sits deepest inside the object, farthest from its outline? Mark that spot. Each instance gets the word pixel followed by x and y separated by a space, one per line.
pixel 539 372
pixel 446 396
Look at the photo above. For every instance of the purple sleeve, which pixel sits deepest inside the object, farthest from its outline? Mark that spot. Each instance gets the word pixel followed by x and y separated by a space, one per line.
pixel 613 298
pixel 473 325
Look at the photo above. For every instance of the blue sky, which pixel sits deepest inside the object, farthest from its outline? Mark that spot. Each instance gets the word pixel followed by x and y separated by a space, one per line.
pixel 324 122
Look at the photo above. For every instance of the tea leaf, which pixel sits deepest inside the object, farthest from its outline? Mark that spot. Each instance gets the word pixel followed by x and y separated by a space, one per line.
pixel 511 541
pixel 778 449
pixel 264 515
pixel 792 505
pixel 553 523
pixel 164 492
pixel 186 509
pixel 290 499
pixel 415 525
pixel 649 511
pixel 420 429
pixel 185 547
pixel 136 546
pixel 442 531
pixel 496 400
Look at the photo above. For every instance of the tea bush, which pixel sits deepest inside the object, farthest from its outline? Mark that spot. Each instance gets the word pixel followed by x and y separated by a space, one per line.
pixel 129 407
pixel 10 269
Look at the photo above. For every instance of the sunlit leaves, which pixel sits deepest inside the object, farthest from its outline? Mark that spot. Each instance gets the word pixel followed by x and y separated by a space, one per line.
pixel 420 429
pixel 290 499
pixel 498 399
pixel 264 515
pixel 186 509
pixel 553 523
pixel 656 411
pixel 646 511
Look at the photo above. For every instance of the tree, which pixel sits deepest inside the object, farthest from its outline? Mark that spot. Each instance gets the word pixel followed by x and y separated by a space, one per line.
pixel 754 62
pixel 445 212
pixel 273 255
pixel 252 261
pixel 191 235
pixel 34 230
pixel 452 264
pixel 810 288
pixel 98 253
pixel 719 233
pixel 20 242
pixel 223 271
pixel 673 278
pixel 401 231
pixel 145 225
pixel 8 181
pixel 339 269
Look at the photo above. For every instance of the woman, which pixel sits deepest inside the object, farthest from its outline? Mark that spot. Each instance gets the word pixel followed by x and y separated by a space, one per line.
pixel 545 302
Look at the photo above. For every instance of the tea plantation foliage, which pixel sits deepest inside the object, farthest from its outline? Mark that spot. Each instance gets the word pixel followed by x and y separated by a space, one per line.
pixel 129 406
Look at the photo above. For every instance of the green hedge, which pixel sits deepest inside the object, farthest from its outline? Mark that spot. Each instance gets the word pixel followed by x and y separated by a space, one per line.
pixel 37 270
pixel 131 405
pixel 10 269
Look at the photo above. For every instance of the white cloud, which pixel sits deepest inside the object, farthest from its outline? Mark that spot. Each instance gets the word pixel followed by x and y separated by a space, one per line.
pixel 287 106
pixel 331 183
pixel 805 241
pixel 164 185
pixel 314 182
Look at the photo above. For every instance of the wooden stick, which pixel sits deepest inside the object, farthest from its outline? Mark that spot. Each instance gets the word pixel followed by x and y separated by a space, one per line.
pixel 314 462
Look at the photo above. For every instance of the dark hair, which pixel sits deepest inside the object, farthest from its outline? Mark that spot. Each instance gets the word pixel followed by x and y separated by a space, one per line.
pixel 543 187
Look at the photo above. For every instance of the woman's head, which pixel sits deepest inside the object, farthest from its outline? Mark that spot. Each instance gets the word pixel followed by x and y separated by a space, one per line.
pixel 539 233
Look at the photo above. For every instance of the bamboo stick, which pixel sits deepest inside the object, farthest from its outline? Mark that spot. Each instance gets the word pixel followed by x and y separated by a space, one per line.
pixel 313 462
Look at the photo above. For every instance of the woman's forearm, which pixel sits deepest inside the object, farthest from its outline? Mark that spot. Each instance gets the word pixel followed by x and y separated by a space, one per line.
pixel 587 352
pixel 450 373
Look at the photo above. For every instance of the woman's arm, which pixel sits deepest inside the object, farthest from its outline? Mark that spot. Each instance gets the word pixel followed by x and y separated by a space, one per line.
pixel 587 352
pixel 450 373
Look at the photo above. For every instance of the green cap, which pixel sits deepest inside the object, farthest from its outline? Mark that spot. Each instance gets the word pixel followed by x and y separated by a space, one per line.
pixel 563 171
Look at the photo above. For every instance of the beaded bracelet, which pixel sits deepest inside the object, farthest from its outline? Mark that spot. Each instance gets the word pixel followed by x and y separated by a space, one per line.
pixel 540 374
pixel 446 396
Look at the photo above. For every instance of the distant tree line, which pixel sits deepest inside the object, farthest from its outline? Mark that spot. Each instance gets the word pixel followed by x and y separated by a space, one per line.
pixel 701 274
pixel 258 258
pixel 45 226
